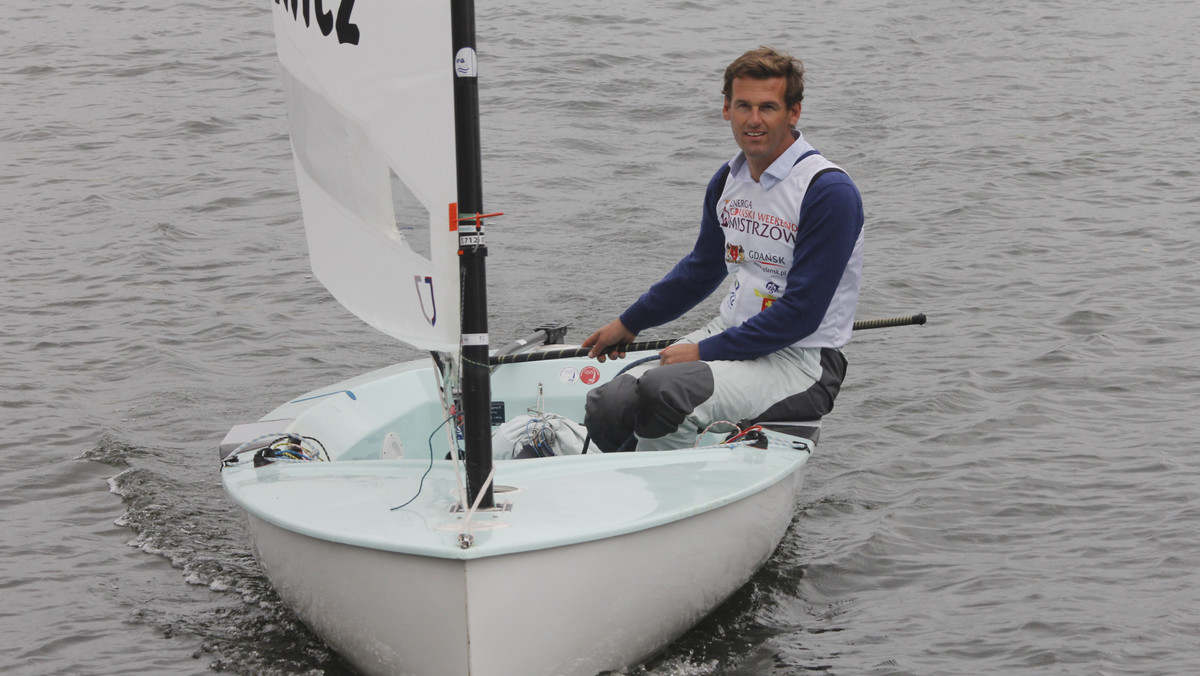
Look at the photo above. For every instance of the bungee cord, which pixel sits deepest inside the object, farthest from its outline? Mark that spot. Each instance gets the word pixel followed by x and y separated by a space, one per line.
pixel 421 483
pixel 284 447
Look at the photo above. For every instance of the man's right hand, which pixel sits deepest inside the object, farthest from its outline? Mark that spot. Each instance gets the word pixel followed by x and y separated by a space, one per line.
pixel 612 333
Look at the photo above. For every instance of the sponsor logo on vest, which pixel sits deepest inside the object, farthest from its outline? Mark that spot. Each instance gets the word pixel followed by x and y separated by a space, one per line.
pixel 767 258
pixel 767 298
pixel 734 253
pixel 347 33
pixel 758 224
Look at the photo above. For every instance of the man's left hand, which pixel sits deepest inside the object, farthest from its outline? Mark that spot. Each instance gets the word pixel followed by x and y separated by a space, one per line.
pixel 679 353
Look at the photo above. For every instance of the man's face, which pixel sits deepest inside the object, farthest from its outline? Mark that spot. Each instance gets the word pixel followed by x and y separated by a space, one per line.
pixel 760 119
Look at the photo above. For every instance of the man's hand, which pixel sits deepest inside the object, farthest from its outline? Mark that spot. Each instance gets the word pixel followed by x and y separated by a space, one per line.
pixel 612 333
pixel 679 353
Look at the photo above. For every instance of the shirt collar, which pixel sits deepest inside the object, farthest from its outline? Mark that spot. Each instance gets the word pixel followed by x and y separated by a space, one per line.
pixel 779 169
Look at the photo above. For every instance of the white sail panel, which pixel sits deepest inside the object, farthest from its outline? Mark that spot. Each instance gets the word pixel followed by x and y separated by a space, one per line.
pixel 369 90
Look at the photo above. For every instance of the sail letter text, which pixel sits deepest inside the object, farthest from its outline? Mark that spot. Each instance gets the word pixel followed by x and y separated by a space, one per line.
pixel 347 32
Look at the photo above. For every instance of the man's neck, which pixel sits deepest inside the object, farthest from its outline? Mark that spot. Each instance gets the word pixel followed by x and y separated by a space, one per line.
pixel 757 170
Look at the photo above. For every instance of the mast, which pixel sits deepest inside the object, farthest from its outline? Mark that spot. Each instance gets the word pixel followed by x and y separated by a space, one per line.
pixel 476 374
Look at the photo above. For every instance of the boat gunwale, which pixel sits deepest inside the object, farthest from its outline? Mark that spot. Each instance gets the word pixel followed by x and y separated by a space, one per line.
pixel 510 472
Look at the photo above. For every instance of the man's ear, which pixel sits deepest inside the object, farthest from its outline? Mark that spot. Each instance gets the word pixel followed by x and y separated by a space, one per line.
pixel 794 114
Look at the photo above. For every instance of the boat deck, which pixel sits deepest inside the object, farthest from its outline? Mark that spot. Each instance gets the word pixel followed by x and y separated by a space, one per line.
pixel 542 502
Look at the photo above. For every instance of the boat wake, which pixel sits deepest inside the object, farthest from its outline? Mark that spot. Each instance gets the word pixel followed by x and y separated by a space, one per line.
pixel 241 625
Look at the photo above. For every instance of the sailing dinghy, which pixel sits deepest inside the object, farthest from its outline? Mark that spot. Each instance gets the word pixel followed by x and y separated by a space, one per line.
pixel 522 555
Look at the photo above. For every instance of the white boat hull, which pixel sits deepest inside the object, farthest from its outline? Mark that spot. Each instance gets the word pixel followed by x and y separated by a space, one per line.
pixel 571 610
pixel 593 562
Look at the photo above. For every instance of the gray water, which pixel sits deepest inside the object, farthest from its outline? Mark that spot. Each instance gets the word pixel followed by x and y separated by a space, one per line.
pixel 1009 489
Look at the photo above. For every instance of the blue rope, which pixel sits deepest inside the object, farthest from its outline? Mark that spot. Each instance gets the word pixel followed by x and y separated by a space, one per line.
pixel 639 362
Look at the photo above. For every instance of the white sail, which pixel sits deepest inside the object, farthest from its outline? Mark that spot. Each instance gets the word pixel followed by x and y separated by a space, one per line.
pixel 369 89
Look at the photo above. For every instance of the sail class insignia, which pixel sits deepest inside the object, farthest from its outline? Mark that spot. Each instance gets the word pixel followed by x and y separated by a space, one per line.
pixel 424 291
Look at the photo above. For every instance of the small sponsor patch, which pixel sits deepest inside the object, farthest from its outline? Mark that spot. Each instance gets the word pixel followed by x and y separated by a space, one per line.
pixel 767 298
pixel 568 375
pixel 767 258
pixel 589 375
pixel 466 63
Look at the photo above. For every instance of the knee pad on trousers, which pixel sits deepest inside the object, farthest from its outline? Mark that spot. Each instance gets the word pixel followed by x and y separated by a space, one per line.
pixel 668 394
pixel 608 412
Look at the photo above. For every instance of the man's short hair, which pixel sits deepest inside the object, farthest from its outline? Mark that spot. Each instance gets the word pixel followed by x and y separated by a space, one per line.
pixel 763 63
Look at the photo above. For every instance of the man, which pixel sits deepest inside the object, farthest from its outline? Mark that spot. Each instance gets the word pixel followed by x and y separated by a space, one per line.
pixel 788 225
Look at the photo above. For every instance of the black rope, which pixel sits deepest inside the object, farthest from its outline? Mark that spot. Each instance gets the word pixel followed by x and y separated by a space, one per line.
pixel 421 485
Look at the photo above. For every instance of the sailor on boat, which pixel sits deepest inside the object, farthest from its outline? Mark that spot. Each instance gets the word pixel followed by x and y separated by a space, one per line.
pixel 787 224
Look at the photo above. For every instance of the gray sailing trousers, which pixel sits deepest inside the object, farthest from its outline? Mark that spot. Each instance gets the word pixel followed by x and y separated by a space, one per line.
pixel 666 407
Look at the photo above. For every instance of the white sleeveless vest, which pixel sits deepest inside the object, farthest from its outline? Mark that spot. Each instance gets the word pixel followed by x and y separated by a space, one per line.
pixel 760 229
